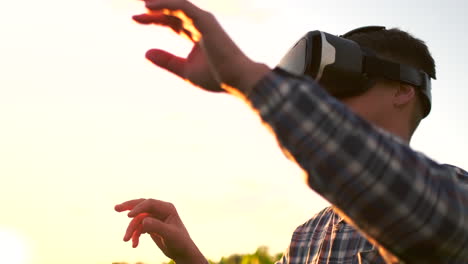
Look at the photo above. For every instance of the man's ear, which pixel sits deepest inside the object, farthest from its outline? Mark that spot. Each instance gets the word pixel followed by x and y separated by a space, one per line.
pixel 403 95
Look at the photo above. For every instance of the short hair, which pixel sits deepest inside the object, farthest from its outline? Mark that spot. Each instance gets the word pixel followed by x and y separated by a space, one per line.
pixel 397 46
pixel 400 47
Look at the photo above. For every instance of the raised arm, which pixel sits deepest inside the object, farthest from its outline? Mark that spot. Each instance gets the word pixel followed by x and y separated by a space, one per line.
pixel 215 63
pixel 412 206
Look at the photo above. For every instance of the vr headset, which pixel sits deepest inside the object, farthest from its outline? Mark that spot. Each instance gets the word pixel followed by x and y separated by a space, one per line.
pixel 346 69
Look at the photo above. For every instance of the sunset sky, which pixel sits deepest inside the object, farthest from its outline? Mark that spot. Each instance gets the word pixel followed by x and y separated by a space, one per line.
pixel 87 122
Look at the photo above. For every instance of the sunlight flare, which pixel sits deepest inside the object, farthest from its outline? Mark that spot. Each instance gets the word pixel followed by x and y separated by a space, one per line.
pixel 13 248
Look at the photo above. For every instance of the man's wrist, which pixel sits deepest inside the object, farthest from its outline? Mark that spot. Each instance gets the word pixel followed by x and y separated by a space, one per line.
pixel 251 73
pixel 194 260
pixel 195 257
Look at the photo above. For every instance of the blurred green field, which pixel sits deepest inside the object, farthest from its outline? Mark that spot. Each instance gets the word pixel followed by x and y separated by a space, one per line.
pixel 260 256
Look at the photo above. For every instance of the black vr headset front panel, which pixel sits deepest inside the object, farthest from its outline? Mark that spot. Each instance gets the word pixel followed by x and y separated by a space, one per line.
pixel 346 69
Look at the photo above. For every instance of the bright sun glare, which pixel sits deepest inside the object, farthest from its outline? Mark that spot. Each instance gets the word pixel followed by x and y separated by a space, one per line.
pixel 13 248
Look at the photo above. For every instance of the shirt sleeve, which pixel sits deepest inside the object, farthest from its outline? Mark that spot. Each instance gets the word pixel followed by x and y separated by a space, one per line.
pixel 412 206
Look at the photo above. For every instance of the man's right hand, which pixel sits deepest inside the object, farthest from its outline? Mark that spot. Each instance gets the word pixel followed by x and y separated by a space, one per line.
pixel 194 68
pixel 162 222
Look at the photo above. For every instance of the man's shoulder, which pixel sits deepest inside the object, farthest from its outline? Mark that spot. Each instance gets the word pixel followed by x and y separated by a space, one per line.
pixel 460 173
pixel 320 220
pixel 324 231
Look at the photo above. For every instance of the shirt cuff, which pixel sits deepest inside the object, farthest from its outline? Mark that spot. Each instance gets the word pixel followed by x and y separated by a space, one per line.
pixel 273 89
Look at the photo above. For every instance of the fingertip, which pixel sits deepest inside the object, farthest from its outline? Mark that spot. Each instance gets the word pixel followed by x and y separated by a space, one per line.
pixel 132 213
pixel 158 57
pixel 151 54
pixel 142 18
pixel 121 207
pixel 127 237
pixel 137 17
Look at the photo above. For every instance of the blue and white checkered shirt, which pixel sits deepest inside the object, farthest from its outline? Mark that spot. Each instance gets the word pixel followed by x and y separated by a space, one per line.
pixel 413 209
pixel 327 238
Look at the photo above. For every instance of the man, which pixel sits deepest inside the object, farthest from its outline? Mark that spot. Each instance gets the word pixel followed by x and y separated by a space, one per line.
pixel 327 235
pixel 410 208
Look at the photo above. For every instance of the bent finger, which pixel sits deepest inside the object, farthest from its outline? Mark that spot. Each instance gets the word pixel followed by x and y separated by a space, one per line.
pixel 133 225
pixel 136 236
pixel 155 226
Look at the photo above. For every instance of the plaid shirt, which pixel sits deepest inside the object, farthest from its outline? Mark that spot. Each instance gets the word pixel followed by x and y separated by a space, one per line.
pixel 407 204
pixel 327 238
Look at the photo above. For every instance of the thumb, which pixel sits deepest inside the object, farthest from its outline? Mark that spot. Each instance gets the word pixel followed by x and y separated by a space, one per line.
pixel 167 61
pixel 153 225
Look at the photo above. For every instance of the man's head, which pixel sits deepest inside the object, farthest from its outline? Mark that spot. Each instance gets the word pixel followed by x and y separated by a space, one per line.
pixel 393 105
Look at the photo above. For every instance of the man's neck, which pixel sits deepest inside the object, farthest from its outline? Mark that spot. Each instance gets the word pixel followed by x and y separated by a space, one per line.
pixel 395 127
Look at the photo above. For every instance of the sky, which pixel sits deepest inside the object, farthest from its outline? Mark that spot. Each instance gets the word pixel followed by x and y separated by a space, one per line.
pixel 86 122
